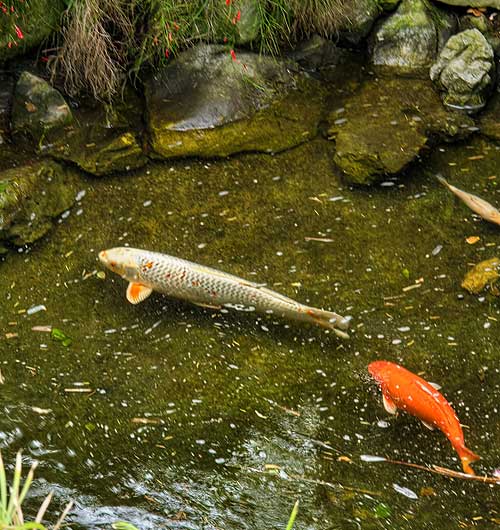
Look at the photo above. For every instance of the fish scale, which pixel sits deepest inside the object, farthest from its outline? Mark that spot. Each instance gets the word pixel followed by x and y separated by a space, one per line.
pixel 152 271
pixel 181 278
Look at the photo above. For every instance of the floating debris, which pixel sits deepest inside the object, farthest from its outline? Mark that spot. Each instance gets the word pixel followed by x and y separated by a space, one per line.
pixel 38 410
pixel 36 309
pixel 43 329
pixel 472 240
pixel 320 239
pixel 59 335
pixel 437 250
pixel 372 458
pixel 407 492
pixel 484 274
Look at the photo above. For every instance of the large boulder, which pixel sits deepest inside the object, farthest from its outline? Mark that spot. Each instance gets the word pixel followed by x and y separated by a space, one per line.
pixel 207 103
pixel 410 37
pixel 38 108
pixel 387 124
pixel 465 70
pixel 31 196
pixel 36 20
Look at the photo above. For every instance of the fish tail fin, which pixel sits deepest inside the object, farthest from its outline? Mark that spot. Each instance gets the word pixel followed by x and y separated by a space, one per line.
pixel 467 456
pixel 329 320
pixel 443 181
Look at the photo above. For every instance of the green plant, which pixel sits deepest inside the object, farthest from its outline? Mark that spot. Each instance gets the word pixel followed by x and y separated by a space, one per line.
pixel 11 499
pixel 293 515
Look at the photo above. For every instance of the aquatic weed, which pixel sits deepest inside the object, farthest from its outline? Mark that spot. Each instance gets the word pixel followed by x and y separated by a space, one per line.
pixel 11 499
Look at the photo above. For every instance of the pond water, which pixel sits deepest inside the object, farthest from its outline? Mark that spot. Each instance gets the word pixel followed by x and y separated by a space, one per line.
pixel 167 415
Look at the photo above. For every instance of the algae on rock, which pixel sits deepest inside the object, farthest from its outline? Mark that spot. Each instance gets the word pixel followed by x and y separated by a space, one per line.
pixel 105 138
pixel 387 124
pixel 31 196
pixel 410 37
pixel 206 104
pixel 464 70
pixel 482 275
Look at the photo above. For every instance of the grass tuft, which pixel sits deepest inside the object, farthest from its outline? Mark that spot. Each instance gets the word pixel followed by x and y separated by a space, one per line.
pixel 11 500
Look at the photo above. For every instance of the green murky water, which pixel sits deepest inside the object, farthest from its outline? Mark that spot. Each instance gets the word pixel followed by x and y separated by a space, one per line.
pixel 196 419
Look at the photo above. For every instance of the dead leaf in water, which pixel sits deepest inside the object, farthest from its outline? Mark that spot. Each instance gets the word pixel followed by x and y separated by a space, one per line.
pixel 471 240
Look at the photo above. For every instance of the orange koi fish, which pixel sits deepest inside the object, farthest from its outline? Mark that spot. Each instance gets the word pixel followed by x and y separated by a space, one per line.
pixel 402 389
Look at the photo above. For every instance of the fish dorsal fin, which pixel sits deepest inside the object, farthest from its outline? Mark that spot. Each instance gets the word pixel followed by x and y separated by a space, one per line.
pixel 435 385
pixel 428 425
pixel 137 292
pixel 389 405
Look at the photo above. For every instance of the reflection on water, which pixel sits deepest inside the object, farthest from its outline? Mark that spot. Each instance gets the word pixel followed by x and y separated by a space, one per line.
pixel 171 416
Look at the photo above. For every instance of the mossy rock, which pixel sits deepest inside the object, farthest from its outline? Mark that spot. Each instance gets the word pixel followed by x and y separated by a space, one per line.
pixel 38 20
pixel 104 137
pixel 38 108
pixel 483 275
pixel 410 37
pixel 31 196
pixel 206 104
pixel 464 71
pixel 386 126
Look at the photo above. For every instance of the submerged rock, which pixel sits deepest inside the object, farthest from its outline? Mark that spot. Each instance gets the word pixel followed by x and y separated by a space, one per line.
pixel 489 120
pixel 207 104
pixel 38 108
pixel 410 37
pixel 316 52
pixel 464 71
pixel 484 274
pixel 387 124
pixel 104 138
pixel 31 196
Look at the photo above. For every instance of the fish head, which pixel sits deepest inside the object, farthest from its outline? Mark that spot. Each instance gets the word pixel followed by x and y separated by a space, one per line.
pixel 124 261
pixel 381 371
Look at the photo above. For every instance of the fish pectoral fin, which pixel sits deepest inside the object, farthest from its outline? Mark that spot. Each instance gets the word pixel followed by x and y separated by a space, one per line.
pixel 207 306
pixel 137 292
pixel 389 405
pixel 428 425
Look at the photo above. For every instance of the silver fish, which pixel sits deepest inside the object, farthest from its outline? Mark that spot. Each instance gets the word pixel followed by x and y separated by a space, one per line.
pixel 148 271
pixel 483 208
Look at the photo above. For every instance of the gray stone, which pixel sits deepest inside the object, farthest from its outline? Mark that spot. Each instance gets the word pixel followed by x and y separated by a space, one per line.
pixel 31 196
pixel 410 37
pixel 464 71
pixel 357 21
pixel 207 104
pixel 488 26
pixel 38 108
